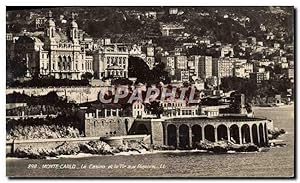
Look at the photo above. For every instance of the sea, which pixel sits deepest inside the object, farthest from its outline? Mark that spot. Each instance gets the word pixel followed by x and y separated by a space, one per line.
pixel 277 162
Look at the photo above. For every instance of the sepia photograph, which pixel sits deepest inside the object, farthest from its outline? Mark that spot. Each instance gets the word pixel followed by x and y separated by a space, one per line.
pixel 150 92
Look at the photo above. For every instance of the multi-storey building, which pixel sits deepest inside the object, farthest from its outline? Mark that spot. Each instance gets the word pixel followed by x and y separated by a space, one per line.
pixel 170 64
pixel 205 67
pixel 202 66
pixel 111 61
pixel 181 62
pixel 260 75
pixel 222 67
pixel 242 70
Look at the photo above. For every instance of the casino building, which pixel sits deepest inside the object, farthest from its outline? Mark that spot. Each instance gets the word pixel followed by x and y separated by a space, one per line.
pixel 54 52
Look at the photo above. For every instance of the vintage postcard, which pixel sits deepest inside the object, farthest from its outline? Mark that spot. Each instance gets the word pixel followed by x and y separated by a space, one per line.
pixel 150 91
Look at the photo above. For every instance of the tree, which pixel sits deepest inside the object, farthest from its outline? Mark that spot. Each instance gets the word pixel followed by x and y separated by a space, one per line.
pixel 156 108
pixel 160 74
pixel 139 69
pixel 16 67
pixel 87 76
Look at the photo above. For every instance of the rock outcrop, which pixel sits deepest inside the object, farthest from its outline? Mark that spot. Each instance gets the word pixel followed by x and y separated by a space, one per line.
pixel 225 146
pixel 275 133
pixel 91 147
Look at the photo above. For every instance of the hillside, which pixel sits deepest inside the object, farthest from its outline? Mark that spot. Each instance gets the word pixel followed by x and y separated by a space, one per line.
pixel 129 24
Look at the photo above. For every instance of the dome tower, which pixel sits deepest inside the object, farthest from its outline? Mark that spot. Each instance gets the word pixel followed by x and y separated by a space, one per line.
pixel 73 30
pixel 50 27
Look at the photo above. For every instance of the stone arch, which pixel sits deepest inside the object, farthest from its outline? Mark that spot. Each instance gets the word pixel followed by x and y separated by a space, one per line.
pixel 69 59
pixel 222 132
pixel 59 62
pixel 254 134
pixel 246 134
pixel 64 59
pixel 183 136
pixel 171 135
pixel 209 132
pixel 266 133
pixel 196 134
pixel 234 134
pixel 142 129
pixel 59 59
pixel 261 134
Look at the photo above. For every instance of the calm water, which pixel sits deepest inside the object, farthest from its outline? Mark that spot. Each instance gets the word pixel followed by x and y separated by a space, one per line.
pixel 277 162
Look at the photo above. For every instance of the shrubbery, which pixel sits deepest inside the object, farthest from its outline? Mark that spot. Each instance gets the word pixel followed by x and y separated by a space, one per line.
pixel 42 131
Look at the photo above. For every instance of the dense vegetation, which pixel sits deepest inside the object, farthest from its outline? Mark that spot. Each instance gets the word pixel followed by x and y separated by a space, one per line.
pixel 119 24
pixel 139 69
pixel 252 90
pixel 66 124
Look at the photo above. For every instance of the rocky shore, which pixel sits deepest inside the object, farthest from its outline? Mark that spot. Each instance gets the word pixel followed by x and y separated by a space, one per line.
pixel 226 146
pixel 101 148
pixel 275 133
pixel 91 147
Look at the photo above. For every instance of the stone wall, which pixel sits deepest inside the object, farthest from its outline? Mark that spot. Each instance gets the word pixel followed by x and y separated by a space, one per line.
pixel 154 128
pixel 110 126
pixel 157 132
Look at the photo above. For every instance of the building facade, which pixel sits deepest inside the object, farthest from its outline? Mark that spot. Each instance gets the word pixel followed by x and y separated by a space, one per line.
pixel 54 53
pixel 111 61
pixel 205 67
pixel 222 67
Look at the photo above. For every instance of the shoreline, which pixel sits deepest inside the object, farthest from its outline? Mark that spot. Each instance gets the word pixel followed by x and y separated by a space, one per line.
pixel 134 153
